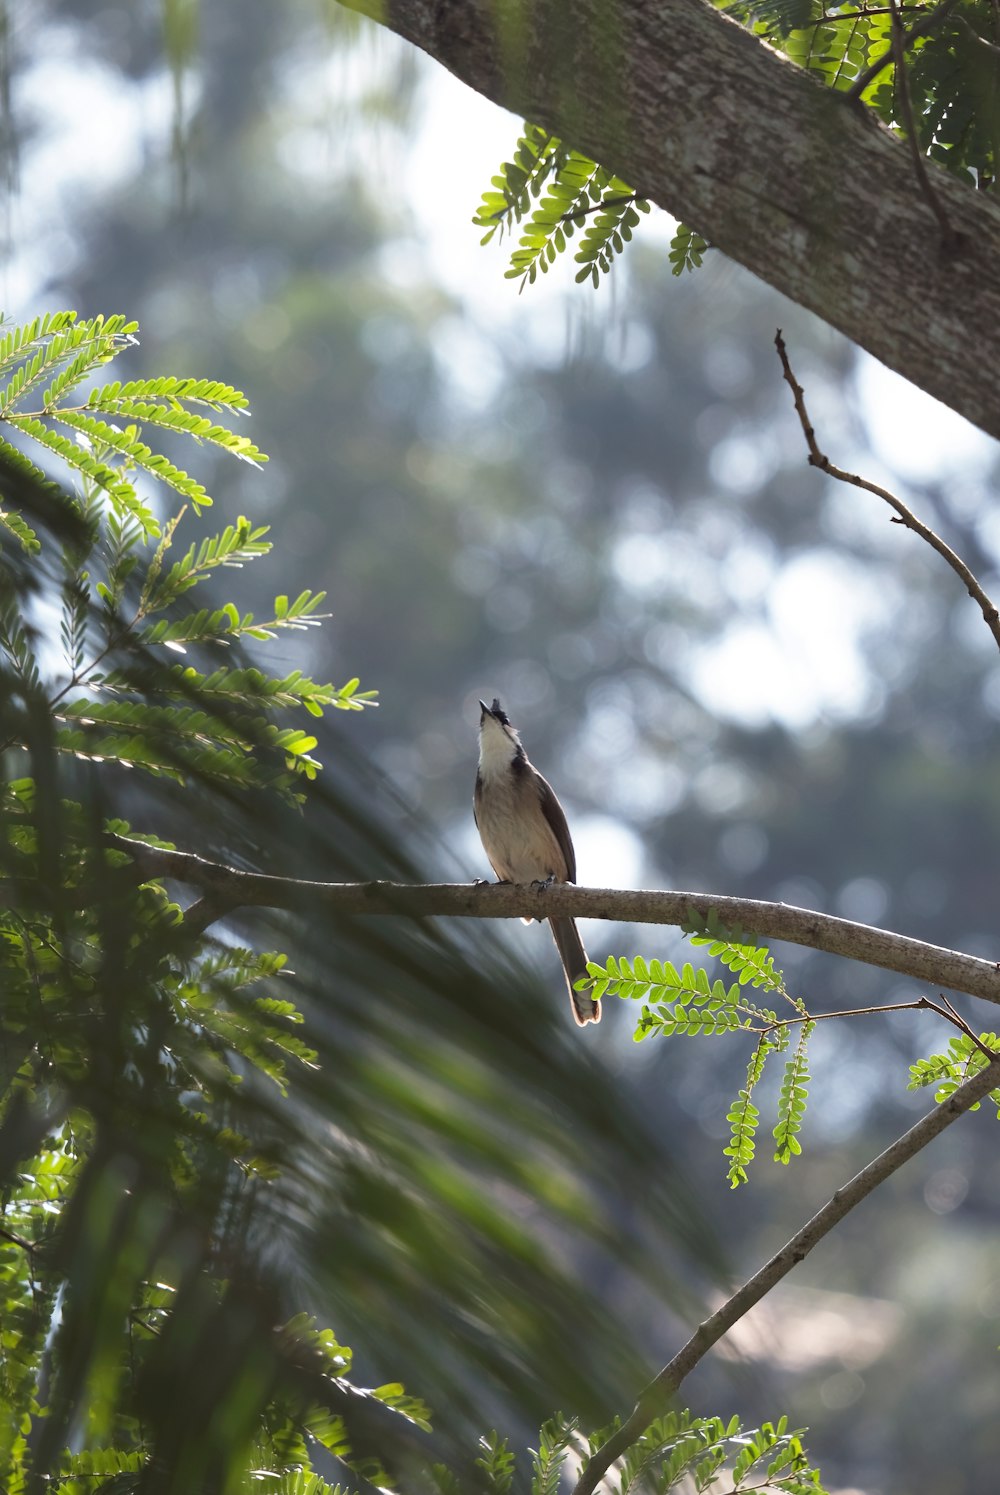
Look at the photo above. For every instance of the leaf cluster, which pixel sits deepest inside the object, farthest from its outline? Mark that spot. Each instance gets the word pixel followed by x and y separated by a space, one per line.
pixel 689 1003
pixel 121 585
pixel 556 193
pixel 49 366
pixel 678 1451
pixel 135 1059
pixel 950 67
pixel 950 91
pixel 962 1059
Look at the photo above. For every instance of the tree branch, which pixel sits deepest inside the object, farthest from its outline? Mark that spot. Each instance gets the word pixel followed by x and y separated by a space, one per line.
pixel 974 35
pixel 230 888
pixel 17 1240
pixel 656 1397
pixel 783 175
pixel 988 607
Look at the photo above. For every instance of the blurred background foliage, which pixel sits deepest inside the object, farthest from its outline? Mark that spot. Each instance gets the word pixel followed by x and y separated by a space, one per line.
pixel 739 677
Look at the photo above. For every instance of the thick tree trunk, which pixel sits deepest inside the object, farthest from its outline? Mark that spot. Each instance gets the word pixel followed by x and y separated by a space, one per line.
pixel 788 178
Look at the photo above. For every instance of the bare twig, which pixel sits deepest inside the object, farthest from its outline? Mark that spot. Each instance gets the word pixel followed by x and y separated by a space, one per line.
pixel 991 616
pixel 956 1017
pixel 656 1397
pixel 234 888
pixel 920 28
pixel 950 238
pixel 919 1004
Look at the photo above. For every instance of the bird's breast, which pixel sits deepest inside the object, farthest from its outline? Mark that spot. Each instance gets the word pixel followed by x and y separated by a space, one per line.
pixel 515 834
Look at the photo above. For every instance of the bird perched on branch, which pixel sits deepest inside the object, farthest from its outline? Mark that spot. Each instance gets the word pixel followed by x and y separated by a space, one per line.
pixel 524 833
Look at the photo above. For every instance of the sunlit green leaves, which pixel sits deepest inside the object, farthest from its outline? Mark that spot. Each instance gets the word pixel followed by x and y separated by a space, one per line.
pixel 519 181
pixel 792 1099
pixel 116 595
pixel 21 531
pixel 608 228
pixel 555 1440
pixel 690 1003
pixel 63 349
pixel 107 447
pixel 951 70
pixel 496 1461
pixel 706 1454
pixel 737 950
pixel 963 1058
pixel 557 192
pixel 687 250
pixel 237 544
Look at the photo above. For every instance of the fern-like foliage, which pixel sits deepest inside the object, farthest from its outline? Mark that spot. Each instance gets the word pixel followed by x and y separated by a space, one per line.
pixel 951 69
pixel 706 1454
pixel 553 192
pixel 48 366
pixel 556 192
pixel 121 581
pixel 792 1099
pixel 555 1440
pixel 81 940
pixel 691 1003
pixel 962 1059
pixel 678 1451
pixel 496 1461
pixel 738 951
pixel 687 250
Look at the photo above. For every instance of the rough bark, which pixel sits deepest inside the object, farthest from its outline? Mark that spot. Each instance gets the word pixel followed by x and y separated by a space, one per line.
pixel 797 183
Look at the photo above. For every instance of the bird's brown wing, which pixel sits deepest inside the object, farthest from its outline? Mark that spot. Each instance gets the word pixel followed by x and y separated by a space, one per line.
pixel 553 812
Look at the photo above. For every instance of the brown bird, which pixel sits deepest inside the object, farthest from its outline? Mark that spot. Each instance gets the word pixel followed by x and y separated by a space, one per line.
pixel 524 833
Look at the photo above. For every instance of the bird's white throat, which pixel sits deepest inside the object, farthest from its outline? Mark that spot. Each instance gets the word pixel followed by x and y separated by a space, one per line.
pixel 497 749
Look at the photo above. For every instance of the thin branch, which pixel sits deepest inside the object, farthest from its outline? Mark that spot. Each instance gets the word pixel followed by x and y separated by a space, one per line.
pixel 967 25
pixel 18 1240
pixel 234 888
pixel 991 615
pixel 595 207
pixel 920 28
pixel 655 1399
pixel 950 238
pixel 919 1004
pixel 205 911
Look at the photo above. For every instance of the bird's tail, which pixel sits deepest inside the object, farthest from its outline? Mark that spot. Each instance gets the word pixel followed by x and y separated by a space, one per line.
pixel 574 962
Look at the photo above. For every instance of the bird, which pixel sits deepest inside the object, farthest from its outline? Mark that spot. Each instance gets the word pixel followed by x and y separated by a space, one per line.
pixel 525 836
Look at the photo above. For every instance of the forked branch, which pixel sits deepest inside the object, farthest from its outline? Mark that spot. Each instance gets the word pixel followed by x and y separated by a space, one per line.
pixel 657 1396
pixel 819 459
